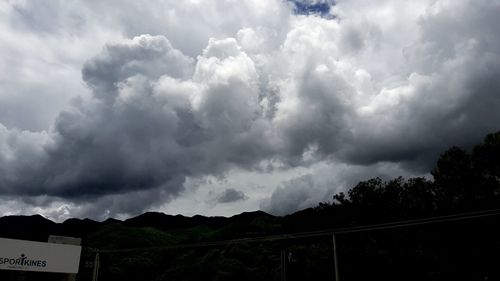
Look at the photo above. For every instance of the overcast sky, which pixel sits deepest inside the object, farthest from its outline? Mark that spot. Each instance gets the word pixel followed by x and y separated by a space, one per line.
pixel 215 107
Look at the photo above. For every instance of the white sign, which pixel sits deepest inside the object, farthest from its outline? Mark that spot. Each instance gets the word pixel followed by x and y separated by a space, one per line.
pixel 37 256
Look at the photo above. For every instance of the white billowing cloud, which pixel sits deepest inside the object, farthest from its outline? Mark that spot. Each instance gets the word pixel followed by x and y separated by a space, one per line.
pixel 376 89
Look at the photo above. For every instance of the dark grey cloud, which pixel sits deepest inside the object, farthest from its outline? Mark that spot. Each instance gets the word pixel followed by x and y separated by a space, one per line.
pixel 231 195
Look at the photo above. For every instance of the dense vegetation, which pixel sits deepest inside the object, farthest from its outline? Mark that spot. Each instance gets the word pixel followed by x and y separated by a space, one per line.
pixel 458 250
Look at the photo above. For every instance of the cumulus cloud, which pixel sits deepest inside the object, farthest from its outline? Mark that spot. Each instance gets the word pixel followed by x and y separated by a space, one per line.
pixel 449 77
pixel 193 89
pixel 154 119
pixel 145 125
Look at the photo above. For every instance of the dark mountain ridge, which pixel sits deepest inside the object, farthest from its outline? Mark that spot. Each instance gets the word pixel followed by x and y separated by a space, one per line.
pixel 38 228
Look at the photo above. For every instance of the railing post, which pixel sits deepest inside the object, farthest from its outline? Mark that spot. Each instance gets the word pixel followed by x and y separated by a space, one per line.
pixel 283 265
pixel 335 258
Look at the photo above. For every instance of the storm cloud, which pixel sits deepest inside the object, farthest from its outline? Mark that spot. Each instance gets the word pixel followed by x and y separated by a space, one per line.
pixel 184 91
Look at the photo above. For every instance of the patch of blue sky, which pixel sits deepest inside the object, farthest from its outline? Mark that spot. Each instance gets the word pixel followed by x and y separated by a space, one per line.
pixel 315 7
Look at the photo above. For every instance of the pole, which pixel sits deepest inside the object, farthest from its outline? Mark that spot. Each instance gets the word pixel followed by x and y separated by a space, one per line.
pixel 284 264
pixel 95 274
pixel 282 257
pixel 335 258
pixel 281 265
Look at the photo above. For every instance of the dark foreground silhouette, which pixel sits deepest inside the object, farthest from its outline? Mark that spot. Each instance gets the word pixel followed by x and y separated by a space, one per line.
pixel 155 246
